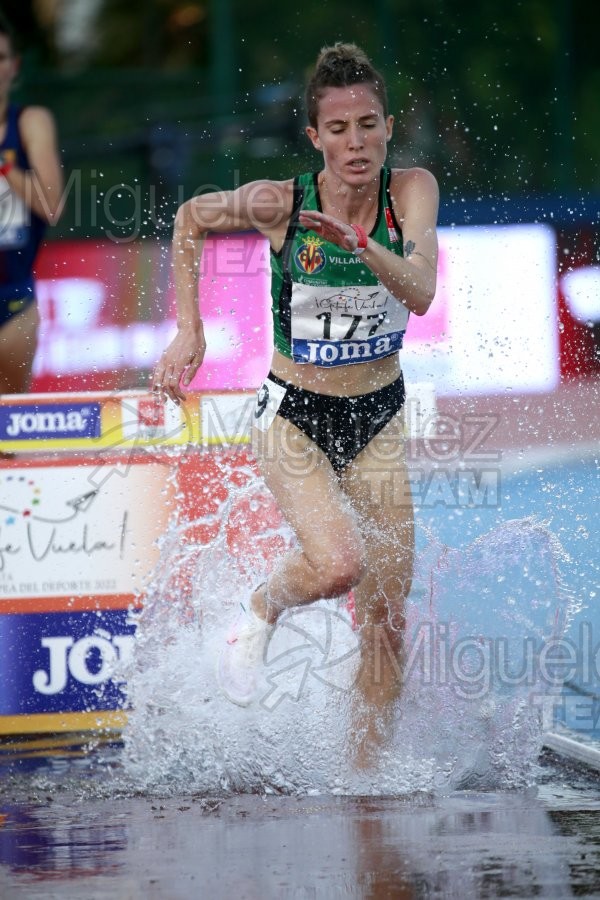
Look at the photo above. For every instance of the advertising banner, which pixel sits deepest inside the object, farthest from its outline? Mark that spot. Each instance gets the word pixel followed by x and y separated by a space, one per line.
pixel 80 536
pixel 121 421
pixel 506 316
pixel 76 544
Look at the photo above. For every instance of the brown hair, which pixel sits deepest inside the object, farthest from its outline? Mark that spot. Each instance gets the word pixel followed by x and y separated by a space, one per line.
pixel 341 66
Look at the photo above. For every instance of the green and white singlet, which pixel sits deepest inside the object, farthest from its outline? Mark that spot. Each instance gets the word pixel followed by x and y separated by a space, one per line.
pixel 329 308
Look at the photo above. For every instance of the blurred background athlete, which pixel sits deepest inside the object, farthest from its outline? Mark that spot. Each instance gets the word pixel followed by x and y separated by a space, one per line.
pixel 30 198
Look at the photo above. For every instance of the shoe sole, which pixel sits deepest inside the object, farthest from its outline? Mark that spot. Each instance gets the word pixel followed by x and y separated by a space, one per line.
pixel 237 701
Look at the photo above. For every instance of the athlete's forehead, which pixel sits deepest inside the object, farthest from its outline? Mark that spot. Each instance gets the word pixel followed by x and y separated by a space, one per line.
pixel 356 101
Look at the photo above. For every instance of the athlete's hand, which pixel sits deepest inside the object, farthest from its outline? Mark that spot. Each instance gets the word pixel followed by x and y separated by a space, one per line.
pixel 179 363
pixel 330 228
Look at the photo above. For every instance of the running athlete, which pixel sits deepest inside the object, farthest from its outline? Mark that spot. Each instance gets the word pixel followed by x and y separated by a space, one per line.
pixel 30 197
pixel 353 254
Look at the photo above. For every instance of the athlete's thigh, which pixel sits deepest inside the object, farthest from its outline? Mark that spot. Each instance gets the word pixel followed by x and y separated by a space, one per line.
pixel 377 484
pixel 377 479
pixel 18 343
pixel 307 491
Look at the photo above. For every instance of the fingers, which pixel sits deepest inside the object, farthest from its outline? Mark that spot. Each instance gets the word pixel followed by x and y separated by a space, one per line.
pixel 169 375
pixel 165 383
pixel 171 385
pixel 178 365
pixel 190 372
pixel 331 229
pixel 312 221
pixel 157 379
pixel 195 361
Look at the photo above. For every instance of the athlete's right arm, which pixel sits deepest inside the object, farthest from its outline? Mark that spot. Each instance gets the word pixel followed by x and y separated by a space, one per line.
pixel 264 206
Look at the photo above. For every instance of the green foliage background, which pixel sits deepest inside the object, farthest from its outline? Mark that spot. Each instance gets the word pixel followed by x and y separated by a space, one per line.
pixel 171 96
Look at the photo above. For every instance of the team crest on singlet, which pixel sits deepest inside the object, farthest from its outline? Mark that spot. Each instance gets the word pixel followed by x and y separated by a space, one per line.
pixel 310 256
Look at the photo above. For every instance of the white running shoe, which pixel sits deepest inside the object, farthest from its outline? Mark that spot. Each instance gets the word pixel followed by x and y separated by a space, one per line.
pixel 240 660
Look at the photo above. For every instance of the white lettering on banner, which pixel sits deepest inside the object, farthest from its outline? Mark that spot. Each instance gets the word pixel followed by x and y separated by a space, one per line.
pixel 108 347
pixel 56 679
pixel 71 304
pixel 46 423
pixel 67 656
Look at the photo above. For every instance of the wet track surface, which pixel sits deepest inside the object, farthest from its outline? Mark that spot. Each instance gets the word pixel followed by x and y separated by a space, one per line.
pixel 66 834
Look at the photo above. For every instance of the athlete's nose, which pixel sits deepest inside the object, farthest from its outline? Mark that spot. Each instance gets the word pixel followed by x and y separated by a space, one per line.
pixel 355 136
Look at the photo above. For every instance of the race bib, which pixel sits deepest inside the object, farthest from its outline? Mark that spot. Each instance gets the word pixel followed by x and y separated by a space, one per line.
pixel 339 327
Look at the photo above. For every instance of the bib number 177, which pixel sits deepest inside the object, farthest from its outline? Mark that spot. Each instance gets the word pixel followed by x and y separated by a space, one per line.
pixel 377 320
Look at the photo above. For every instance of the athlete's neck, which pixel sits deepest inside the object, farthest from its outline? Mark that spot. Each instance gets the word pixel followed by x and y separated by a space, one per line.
pixel 348 202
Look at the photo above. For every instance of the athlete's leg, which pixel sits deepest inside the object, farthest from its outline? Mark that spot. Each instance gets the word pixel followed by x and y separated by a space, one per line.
pixel 331 554
pixel 377 484
pixel 18 343
pixel 328 562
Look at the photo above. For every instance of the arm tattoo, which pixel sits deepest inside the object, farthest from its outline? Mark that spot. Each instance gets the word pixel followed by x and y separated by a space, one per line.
pixel 409 249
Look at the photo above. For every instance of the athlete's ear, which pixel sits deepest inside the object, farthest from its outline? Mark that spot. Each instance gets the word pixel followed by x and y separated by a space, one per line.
pixel 313 137
pixel 389 126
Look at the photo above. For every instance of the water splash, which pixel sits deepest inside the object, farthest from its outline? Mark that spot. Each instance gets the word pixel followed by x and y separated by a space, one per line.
pixel 478 617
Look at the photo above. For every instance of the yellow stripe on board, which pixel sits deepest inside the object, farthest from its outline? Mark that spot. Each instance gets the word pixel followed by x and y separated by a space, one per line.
pixel 50 743
pixel 57 722
pixel 129 420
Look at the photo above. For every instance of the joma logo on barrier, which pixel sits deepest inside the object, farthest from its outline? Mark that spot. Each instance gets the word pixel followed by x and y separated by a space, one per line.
pixel 67 656
pixel 53 420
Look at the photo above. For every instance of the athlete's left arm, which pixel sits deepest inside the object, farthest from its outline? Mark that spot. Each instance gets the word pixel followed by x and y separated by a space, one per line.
pixel 42 186
pixel 410 278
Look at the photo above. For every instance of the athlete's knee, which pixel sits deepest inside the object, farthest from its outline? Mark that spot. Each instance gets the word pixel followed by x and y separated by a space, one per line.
pixel 342 571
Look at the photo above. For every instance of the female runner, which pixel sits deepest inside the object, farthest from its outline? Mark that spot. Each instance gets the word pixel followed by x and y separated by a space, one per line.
pixel 353 254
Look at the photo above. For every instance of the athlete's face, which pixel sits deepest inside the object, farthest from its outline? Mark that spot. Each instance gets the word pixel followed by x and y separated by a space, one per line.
pixel 9 65
pixel 352 132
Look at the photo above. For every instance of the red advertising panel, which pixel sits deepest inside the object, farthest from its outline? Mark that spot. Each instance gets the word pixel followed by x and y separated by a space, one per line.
pixel 512 312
